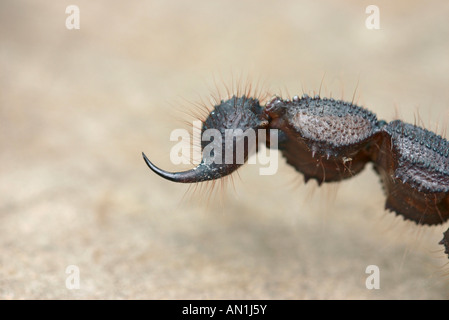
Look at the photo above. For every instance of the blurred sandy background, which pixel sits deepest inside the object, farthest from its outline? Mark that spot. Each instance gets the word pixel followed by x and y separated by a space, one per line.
pixel 77 108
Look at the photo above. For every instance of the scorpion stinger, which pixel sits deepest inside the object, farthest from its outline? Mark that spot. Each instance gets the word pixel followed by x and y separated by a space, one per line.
pixel 202 172
pixel 232 123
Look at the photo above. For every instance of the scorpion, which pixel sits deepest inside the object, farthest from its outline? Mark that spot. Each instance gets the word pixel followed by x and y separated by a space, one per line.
pixel 330 140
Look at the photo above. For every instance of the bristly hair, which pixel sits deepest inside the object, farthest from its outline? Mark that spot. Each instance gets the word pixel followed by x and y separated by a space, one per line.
pixel 199 110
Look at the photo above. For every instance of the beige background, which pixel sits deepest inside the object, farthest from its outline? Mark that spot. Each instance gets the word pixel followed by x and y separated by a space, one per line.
pixel 77 107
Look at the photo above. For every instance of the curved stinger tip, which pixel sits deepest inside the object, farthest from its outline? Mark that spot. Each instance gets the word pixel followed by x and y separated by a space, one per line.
pixel 160 172
pixel 188 176
pixel 147 161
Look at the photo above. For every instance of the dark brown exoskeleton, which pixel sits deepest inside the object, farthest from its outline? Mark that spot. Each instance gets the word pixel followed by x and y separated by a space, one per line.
pixel 330 140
